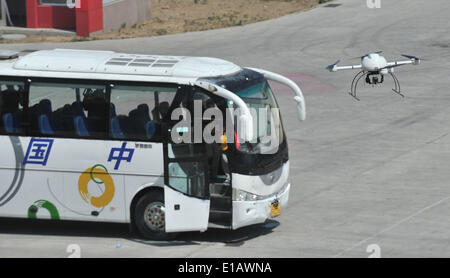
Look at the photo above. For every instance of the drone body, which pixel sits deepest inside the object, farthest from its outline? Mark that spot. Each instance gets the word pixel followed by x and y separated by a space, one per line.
pixel 375 67
pixel 375 62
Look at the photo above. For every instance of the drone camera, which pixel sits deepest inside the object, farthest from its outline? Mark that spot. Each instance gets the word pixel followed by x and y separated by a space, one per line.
pixel 374 78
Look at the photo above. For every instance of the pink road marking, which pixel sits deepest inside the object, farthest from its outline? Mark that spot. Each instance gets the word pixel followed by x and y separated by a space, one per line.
pixel 307 83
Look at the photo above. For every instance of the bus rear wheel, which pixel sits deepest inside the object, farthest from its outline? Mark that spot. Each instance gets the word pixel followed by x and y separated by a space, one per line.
pixel 150 216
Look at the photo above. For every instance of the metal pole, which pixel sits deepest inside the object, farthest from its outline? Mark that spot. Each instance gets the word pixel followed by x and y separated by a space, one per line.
pixel 5 8
pixel 2 15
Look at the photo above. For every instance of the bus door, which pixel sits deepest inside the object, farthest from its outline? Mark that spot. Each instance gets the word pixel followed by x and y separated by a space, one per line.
pixel 186 176
pixel 186 194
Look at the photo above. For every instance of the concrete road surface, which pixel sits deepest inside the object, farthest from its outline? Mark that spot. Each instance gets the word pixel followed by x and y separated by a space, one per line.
pixel 368 176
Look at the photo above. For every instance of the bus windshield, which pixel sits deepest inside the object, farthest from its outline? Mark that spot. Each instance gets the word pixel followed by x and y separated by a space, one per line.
pixel 267 126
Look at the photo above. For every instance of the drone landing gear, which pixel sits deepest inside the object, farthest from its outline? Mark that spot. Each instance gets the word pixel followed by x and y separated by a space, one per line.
pixel 357 77
pixel 397 84
pixel 373 81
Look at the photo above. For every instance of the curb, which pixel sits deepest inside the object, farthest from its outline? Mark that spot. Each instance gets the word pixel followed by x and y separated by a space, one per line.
pixel 36 31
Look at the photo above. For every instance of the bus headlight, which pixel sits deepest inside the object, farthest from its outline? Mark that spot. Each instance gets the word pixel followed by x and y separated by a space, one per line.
pixel 241 195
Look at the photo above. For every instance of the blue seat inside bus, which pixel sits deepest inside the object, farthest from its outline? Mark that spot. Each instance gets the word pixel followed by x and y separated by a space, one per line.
pixel 44 125
pixel 11 100
pixel 12 122
pixel 114 125
pixel 143 125
pixel 80 126
pixel 67 119
pixel 41 117
pixel 150 129
pixel 79 119
pixel 116 131
pixel 71 119
pixel 137 124
pixel 8 122
pixel 45 107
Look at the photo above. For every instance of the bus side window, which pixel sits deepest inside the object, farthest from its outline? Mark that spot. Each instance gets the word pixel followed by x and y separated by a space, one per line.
pixel 137 111
pixel 11 107
pixel 67 110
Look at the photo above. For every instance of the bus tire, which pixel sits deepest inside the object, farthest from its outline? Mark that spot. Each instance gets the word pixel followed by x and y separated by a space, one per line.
pixel 149 217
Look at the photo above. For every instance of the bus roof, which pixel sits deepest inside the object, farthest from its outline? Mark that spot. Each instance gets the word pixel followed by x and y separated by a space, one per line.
pixel 92 64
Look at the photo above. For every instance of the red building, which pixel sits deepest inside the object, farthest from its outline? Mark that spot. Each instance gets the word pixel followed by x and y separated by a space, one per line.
pixel 85 19
pixel 83 16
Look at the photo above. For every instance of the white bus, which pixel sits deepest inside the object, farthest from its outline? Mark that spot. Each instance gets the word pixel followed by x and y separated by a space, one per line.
pixel 88 136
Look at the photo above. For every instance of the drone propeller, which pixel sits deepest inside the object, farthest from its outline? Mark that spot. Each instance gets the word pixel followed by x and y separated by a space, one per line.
pixel 409 56
pixel 415 59
pixel 412 57
pixel 331 67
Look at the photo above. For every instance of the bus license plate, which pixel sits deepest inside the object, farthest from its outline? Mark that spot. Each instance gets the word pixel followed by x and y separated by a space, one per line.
pixel 275 208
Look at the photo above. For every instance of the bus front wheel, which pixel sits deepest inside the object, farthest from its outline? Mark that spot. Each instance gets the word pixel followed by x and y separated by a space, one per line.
pixel 150 217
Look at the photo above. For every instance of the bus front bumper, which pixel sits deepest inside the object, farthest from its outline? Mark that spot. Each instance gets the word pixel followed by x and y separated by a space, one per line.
pixel 247 213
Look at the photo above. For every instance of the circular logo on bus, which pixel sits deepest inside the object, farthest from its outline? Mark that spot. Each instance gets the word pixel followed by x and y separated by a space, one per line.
pixel 34 208
pixel 99 175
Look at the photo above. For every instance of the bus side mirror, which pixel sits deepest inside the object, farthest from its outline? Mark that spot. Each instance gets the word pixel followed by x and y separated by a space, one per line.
pixel 291 84
pixel 300 108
